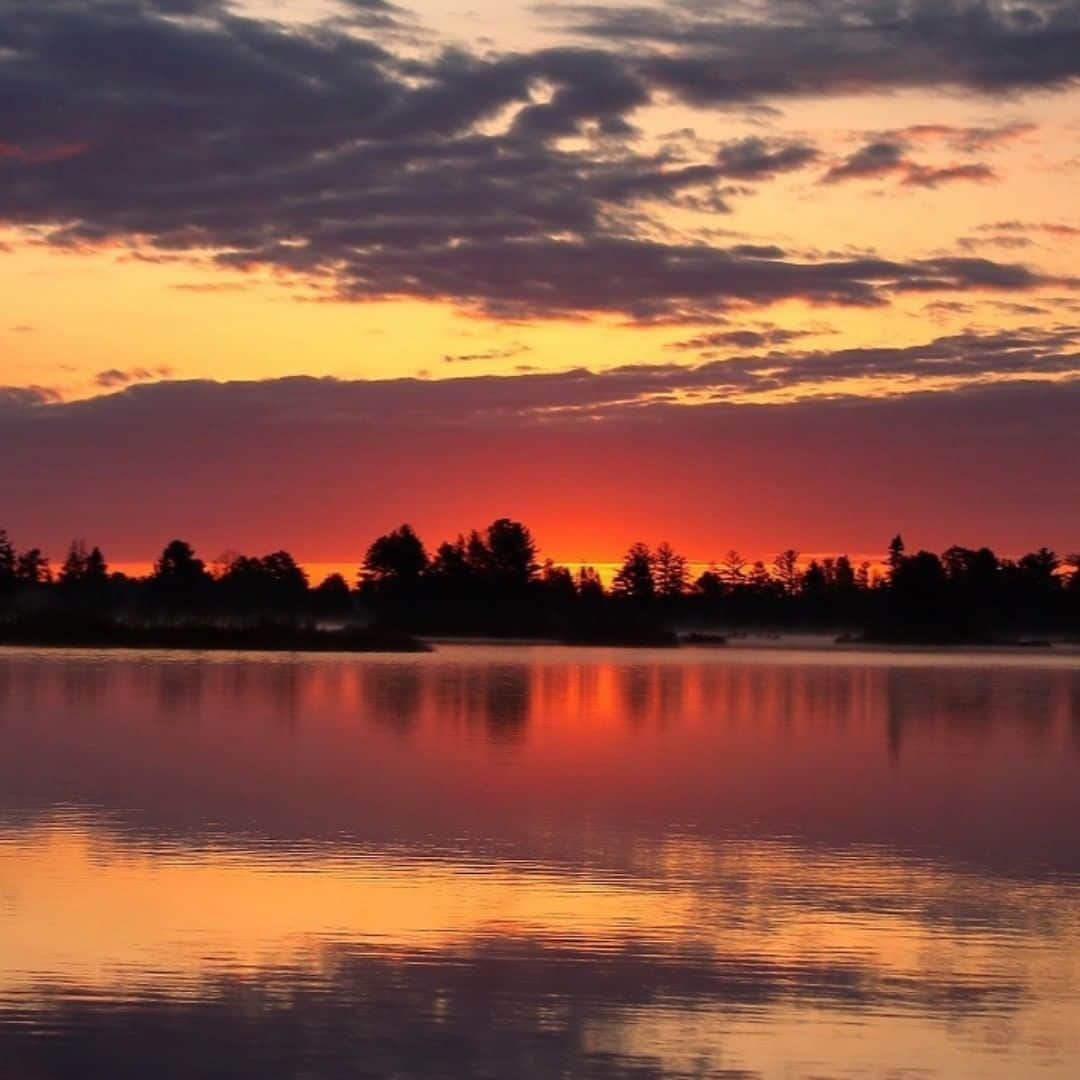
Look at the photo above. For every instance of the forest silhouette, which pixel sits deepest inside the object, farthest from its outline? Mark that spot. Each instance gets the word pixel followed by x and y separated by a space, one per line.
pixel 491 583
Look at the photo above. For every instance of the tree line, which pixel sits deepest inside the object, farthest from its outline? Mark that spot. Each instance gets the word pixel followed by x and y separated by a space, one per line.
pixel 492 582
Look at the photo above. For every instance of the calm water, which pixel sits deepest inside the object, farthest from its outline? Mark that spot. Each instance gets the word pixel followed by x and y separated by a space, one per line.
pixel 539 863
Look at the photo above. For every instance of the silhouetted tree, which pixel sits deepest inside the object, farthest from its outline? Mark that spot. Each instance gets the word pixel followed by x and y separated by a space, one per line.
pixel 180 580
pixel 710 586
pixel 477 555
pixel 635 580
pixel 84 580
pixel 73 568
pixel 557 580
pixel 391 577
pixel 558 597
pixel 786 571
pixel 451 561
pixel 398 556
pixel 83 568
pixel 274 583
pixel 1073 580
pixel 1036 588
pixel 511 552
pixel 759 578
pixel 918 600
pixel 815 589
pixel 843 575
pixel 976 587
pixel 450 583
pixel 287 582
pixel 331 597
pixel 896 554
pixel 732 568
pixel 1072 593
pixel 590 588
pixel 7 564
pixel 178 563
pixel 32 568
pixel 1039 570
pixel 97 570
pixel 671 572
pixel 490 583
pixel 966 567
pixel 241 584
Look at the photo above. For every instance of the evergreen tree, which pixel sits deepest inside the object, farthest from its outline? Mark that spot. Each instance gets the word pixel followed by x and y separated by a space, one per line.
pixel 96 570
pixel 635 579
pixel 398 556
pixel 180 580
pixel 76 563
pixel 734 566
pixel 7 562
pixel 589 586
pixel 786 571
pixel 896 555
pixel 511 552
pixel 451 561
pixel 671 571
pixel 331 597
pixel 32 568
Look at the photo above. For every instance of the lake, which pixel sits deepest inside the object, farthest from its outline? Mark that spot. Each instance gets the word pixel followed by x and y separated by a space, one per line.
pixel 539 862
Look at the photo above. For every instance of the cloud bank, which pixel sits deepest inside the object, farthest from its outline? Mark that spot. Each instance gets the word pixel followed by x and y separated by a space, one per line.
pixel 512 182
pixel 591 460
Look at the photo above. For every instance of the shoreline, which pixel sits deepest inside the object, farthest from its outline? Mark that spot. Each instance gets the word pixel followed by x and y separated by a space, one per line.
pixel 360 642
pixel 214 639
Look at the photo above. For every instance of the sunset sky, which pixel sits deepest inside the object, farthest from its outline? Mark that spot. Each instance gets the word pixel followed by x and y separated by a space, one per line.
pixel 751 274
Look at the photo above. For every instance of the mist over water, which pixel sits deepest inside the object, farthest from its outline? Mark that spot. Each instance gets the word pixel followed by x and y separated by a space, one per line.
pixel 539 862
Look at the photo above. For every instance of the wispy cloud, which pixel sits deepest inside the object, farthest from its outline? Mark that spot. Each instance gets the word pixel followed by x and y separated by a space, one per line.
pixel 114 377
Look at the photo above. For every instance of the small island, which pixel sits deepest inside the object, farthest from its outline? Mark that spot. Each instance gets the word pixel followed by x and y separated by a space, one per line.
pixel 491 585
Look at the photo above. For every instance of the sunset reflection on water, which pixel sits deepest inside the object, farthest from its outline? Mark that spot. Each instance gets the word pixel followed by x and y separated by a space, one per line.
pixel 540 862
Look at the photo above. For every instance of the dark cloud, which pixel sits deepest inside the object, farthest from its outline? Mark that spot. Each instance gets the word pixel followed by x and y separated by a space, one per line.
pixel 740 339
pixel 951 274
pixel 378 15
pixel 372 173
pixel 930 177
pixel 625 448
pixel 869 162
pixel 1018 310
pixel 1009 241
pixel 114 377
pixel 731 54
pixel 968 140
pixel 211 286
pixel 589 87
pixel 651 281
pixel 23 399
pixel 490 354
pixel 878 159
pixel 948 308
pixel 1051 228
pixel 756 158
pixel 965 358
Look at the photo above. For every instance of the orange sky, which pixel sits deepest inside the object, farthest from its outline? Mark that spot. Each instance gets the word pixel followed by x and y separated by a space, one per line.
pixel 962 227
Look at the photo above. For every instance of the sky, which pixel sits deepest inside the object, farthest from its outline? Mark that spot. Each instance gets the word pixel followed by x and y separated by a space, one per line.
pixel 752 275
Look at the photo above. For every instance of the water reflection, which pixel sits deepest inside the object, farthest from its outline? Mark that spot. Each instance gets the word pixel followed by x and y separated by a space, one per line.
pixel 538 863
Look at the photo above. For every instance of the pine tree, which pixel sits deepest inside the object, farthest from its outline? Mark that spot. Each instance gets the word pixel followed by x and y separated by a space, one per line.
pixel 635 578
pixel 671 571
